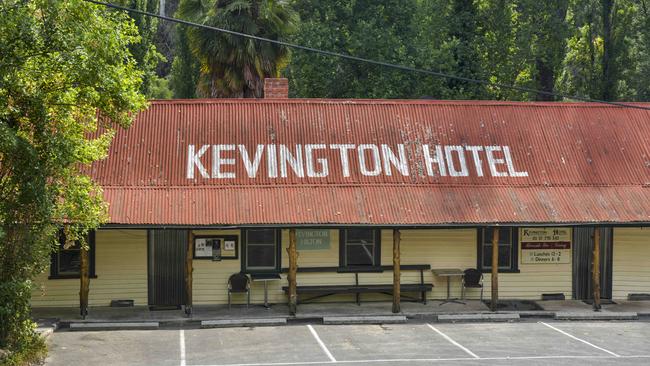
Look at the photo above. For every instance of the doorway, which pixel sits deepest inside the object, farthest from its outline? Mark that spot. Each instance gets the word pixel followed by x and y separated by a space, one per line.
pixel 583 246
pixel 166 268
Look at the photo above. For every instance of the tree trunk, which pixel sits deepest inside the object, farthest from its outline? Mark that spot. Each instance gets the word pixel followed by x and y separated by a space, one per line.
pixel 396 271
pixel 188 273
pixel 494 304
pixel 608 76
pixel 595 271
pixel 293 269
pixel 551 47
pixel 84 283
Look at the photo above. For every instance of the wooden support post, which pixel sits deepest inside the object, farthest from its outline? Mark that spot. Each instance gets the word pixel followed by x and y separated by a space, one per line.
pixel 494 303
pixel 188 273
pixel 396 271
pixel 84 287
pixel 595 271
pixel 293 269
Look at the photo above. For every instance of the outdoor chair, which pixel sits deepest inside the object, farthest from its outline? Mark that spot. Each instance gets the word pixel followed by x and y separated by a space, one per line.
pixel 239 283
pixel 472 278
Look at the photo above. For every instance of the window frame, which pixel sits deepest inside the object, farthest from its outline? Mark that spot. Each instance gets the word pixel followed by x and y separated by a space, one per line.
pixel 278 252
pixel 343 246
pixel 514 250
pixel 54 260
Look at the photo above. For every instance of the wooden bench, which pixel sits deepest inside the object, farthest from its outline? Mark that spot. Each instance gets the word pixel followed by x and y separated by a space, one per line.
pixel 318 291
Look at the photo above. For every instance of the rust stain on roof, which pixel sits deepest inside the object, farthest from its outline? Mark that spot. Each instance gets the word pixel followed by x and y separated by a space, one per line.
pixel 378 162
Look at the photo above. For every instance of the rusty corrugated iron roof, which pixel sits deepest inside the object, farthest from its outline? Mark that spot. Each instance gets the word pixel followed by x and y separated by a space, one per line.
pixel 236 162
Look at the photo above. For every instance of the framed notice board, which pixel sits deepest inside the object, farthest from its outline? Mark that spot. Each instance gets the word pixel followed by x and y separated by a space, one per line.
pixel 216 247
pixel 545 245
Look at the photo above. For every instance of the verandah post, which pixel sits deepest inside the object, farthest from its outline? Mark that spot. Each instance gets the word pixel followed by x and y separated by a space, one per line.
pixel 188 273
pixel 293 268
pixel 595 272
pixel 494 303
pixel 84 287
pixel 396 271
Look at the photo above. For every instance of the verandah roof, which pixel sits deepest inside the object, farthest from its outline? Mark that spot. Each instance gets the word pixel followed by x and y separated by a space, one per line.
pixel 378 162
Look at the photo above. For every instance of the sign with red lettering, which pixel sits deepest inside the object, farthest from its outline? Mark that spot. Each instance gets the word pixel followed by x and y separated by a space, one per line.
pixel 542 245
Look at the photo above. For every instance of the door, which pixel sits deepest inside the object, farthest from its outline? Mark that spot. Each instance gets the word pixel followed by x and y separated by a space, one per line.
pixel 166 272
pixel 583 245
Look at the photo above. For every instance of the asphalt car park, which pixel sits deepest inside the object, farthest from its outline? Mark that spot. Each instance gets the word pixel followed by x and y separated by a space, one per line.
pixel 521 343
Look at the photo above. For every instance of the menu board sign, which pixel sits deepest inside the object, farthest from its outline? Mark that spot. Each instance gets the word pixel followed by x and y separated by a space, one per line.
pixel 545 245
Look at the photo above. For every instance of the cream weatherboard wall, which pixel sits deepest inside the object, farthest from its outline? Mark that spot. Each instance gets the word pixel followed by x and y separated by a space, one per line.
pixel 120 266
pixel 630 263
pixel 210 279
pixel 533 280
pixel 440 248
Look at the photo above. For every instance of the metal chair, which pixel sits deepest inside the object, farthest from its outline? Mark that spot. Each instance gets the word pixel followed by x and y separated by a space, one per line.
pixel 472 278
pixel 239 283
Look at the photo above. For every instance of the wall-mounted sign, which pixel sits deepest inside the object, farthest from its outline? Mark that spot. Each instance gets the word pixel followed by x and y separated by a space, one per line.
pixel 202 248
pixel 216 247
pixel 541 245
pixel 311 239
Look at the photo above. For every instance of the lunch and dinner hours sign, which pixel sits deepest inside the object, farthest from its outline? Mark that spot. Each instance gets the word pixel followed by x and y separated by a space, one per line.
pixel 540 245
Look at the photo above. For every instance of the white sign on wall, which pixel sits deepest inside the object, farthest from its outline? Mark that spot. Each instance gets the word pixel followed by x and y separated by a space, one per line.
pixel 545 245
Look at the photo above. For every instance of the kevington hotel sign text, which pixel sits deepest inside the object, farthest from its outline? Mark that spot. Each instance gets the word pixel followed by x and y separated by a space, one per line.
pixel 320 160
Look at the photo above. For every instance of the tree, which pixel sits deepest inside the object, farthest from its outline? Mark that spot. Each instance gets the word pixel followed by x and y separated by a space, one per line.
pixel 185 67
pixel 233 66
pixel 598 63
pixel 62 63
pixel 144 52
pixel 392 31
pixel 464 32
pixel 545 30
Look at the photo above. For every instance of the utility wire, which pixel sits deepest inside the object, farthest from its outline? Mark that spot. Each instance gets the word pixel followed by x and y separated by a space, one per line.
pixel 366 60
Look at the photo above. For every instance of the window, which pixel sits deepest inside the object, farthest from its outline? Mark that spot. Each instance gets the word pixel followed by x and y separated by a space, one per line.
pixel 66 262
pixel 508 261
pixel 262 250
pixel 359 248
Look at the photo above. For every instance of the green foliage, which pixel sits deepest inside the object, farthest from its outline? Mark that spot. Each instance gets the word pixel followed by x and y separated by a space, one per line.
pixel 60 63
pixel 555 46
pixel 160 89
pixel 144 52
pixel 232 66
pixel 185 71
pixel 31 352
pixel 603 46
pixel 384 30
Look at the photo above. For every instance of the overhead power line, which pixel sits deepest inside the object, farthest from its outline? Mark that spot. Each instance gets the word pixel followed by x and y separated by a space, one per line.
pixel 367 60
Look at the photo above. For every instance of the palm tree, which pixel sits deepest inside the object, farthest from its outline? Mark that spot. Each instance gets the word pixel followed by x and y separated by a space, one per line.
pixel 233 66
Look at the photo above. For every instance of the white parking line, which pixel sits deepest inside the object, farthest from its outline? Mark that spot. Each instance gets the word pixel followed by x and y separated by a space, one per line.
pixel 581 340
pixel 182 341
pixel 453 341
pixel 320 343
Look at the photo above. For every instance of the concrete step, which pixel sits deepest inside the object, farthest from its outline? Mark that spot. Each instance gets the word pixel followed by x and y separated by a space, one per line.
pixel 488 317
pixel 113 325
pixel 595 315
pixel 250 322
pixel 381 319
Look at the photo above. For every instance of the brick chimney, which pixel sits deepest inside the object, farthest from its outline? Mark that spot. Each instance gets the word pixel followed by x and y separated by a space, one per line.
pixel 276 88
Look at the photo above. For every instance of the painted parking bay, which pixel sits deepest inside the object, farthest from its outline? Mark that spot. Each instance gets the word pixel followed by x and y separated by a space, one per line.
pixel 386 342
pixel 621 338
pixel 117 348
pixel 488 340
pixel 259 345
